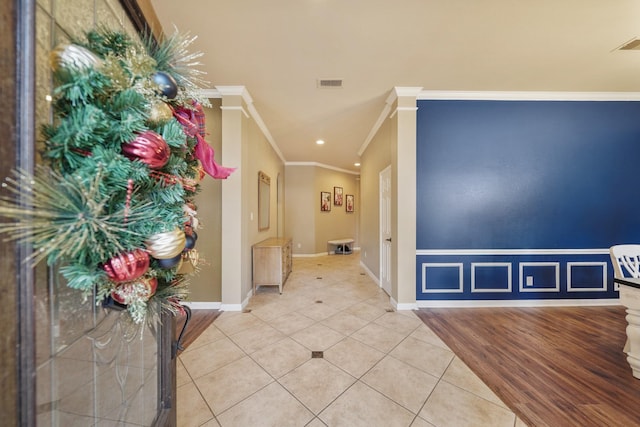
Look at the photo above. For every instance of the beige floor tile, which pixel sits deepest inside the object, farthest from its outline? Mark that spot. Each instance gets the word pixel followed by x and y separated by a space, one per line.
pixel 460 375
pixel 419 422
pixel 378 337
pixel 291 323
pixel 344 323
pixel 316 422
pixel 209 335
pixel 281 357
pixel 210 357
pixel 316 383
pixel 279 384
pixel 270 311
pixel 450 406
pixel 272 406
pixel 318 310
pixel 426 357
pixel 520 423
pixel 317 337
pixel 232 322
pixel 361 406
pixel 401 383
pixel 353 356
pixel 232 383
pixel 192 410
pixel 256 337
pixel 182 376
pixel 424 333
pixel 365 311
pixel 399 322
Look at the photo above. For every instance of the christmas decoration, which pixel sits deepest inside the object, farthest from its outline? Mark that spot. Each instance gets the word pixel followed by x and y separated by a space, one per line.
pixel 160 112
pixel 167 263
pixel 149 148
pixel 124 154
pixel 166 85
pixel 127 266
pixel 166 245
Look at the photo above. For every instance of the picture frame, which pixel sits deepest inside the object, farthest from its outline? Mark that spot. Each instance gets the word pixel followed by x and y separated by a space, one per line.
pixel 337 196
pixel 350 203
pixel 325 201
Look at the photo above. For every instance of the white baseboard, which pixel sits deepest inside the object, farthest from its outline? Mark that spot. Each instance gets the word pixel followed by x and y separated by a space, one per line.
pixel 321 254
pixel 203 305
pixel 518 303
pixel 370 273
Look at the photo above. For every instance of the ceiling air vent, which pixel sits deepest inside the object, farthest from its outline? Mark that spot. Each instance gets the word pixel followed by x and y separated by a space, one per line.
pixel 633 44
pixel 330 83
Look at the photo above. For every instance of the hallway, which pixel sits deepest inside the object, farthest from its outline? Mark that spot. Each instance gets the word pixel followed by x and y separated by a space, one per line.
pixel 329 351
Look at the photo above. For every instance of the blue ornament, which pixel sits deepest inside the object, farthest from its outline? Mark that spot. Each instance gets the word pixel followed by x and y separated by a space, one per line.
pixel 166 84
pixel 168 263
pixel 191 242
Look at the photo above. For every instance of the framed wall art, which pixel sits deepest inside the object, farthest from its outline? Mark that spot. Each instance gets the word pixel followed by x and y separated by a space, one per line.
pixel 350 203
pixel 325 201
pixel 337 196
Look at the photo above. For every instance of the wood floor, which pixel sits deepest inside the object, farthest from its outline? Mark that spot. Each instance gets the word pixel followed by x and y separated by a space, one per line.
pixel 553 367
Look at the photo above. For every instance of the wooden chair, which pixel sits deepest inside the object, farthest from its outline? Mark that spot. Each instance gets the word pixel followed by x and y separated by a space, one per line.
pixel 625 259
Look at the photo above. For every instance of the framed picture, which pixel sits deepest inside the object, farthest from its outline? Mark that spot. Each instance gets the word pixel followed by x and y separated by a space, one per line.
pixel 350 206
pixel 325 201
pixel 337 196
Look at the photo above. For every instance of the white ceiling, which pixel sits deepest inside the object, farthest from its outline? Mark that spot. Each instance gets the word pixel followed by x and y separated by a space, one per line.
pixel 278 49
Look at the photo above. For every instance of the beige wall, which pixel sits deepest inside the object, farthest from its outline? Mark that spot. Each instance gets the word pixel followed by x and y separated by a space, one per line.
pixel 245 147
pixel 375 158
pixel 206 285
pixel 305 223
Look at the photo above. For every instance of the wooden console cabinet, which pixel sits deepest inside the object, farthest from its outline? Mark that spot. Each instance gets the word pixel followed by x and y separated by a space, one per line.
pixel 271 262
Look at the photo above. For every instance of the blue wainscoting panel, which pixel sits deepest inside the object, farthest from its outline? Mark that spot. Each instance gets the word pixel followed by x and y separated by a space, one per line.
pixel 549 181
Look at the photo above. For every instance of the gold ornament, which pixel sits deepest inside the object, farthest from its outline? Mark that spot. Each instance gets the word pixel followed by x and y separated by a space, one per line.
pixel 166 245
pixel 68 56
pixel 160 112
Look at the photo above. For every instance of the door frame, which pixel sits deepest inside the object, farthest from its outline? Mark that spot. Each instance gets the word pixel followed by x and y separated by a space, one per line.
pixel 385 280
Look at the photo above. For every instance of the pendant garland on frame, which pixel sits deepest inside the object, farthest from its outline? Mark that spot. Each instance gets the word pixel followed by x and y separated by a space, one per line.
pixel 124 154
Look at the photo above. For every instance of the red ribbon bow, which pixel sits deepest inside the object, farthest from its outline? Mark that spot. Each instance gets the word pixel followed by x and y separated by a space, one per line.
pixel 192 121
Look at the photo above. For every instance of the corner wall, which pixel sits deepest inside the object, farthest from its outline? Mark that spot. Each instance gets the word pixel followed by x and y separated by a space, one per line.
pixel 309 227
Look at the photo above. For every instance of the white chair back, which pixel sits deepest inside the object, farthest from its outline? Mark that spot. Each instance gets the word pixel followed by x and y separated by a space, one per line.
pixel 625 260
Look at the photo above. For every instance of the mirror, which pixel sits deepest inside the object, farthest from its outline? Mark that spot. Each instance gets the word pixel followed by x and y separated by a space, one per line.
pixel 264 188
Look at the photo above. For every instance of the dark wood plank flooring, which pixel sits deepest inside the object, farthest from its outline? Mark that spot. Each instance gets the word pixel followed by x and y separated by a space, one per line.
pixel 553 367
pixel 200 320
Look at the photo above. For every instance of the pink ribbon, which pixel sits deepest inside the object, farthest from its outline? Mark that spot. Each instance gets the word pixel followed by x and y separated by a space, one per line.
pixel 192 121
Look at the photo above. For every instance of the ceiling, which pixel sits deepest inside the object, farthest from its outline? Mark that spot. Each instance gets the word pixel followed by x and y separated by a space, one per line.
pixel 278 49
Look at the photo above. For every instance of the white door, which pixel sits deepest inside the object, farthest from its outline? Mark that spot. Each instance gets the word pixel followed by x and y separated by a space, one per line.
pixel 385 229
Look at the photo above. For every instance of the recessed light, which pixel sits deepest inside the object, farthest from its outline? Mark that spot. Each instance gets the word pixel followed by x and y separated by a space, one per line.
pixel 320 142
pixel 356 164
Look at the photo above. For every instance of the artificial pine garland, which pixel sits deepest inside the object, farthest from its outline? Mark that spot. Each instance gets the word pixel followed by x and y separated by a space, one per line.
pixel 125 152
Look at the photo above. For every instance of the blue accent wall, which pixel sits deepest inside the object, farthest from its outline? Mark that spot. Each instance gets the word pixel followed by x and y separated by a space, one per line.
pixel 551 176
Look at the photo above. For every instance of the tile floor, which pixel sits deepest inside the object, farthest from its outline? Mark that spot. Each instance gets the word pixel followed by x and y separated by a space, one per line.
pixel 378 367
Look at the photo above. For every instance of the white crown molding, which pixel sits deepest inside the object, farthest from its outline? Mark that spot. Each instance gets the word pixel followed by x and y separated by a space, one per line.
pixel 210 93
pixel 407 91
pixel 237 108
pixel 528 96
pixel 242 91
pixel 321 165
pixel 398 91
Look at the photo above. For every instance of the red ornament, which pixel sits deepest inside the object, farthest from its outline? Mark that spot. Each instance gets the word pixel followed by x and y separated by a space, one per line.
pixel 148 147
pixel 127 266
pixel 128 292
